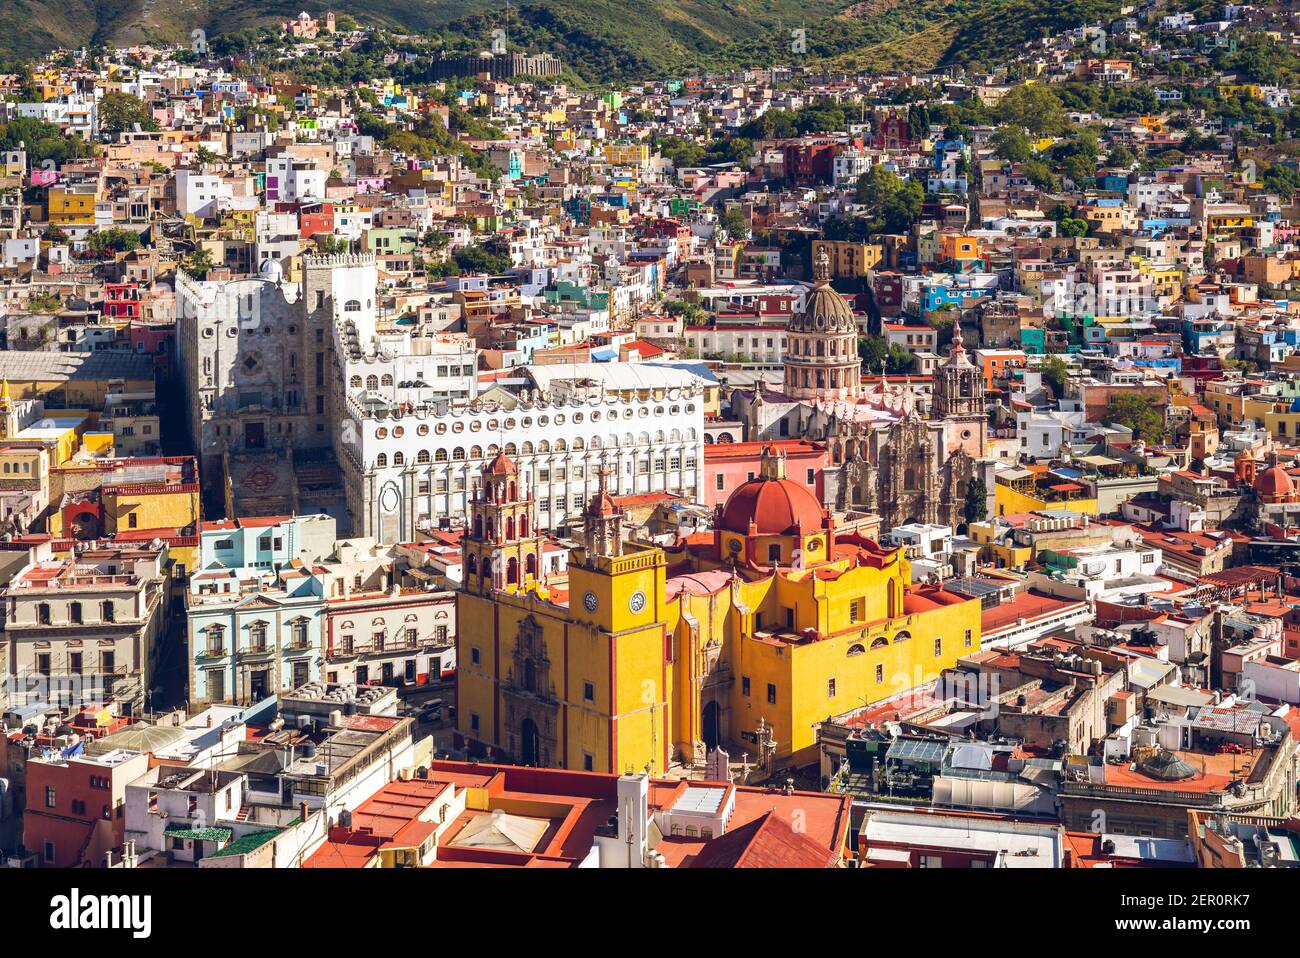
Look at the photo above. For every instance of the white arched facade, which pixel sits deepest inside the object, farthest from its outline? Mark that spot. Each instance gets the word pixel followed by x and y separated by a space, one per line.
pixel 422 467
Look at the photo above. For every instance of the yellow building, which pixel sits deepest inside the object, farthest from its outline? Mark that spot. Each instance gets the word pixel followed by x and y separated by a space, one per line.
pixel 72 204
pixel 1232 404
pixel 66 381
pixel 747 638
pixel 1251 91
pixel 849 260
pixel 1024 490
pixel 119 496
pixel 1000 550
pixel 626 154
pixel 58 433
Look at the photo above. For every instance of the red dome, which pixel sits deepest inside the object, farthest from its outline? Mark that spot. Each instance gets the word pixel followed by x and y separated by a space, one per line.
pixel 502 465
pixel 1274 481
pixel 777 506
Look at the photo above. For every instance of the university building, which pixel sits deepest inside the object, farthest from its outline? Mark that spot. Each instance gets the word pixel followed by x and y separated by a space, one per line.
pixel 311 400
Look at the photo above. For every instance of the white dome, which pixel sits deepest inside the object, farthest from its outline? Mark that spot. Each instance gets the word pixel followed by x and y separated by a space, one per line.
pixel 271 270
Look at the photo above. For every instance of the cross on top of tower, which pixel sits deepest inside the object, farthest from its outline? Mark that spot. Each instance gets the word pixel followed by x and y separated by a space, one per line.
pixel 602 503
pixel 822 267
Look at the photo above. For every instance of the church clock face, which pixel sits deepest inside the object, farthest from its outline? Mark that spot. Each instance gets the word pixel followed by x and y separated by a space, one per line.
pixel 589 602
pixel 636 602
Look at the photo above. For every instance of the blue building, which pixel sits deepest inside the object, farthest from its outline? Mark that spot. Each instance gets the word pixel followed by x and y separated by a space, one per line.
pixel 255 607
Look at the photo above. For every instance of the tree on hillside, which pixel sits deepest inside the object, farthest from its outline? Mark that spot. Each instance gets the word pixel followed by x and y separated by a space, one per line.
pixel 120 112
pixel 476 259
pixel 976 506
pixel 736 223
pixel 894 202
pixel 1034 107
pixel 1041 175
pixel 1143 414
pixel 1011 143
pixel 198 263
pixel 1055 374
pixel 113 240
pixel 875 351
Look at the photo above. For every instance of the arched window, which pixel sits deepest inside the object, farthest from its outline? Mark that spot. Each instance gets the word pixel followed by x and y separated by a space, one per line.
pixel 512 571
pixel 530 563
pixel 856 649
pixel 439 455
pixel 458 454
pixel 352 306
pixel 387 380
pixel 478 527
pixel 880 643
pixel 372 382
pixel 472 565
pixel 476 452
pixel 355 382
pixel 526 449
pixel 398 459
pixel 381 460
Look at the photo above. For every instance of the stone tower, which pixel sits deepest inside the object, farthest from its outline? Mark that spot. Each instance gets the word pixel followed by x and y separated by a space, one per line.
pixel 959 401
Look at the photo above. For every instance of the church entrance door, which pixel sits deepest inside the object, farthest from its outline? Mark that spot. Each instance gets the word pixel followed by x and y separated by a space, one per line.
pixel 530 746
pixel 711 720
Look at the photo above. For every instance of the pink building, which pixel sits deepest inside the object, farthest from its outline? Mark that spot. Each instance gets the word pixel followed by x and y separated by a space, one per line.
pixel 727 465
pixel 76 806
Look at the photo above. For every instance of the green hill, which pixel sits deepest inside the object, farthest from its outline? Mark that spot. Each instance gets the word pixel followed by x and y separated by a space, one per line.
pixel 600 40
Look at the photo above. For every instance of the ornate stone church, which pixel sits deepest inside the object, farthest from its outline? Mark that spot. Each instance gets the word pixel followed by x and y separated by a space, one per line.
pixel 900 451
pixel 917 469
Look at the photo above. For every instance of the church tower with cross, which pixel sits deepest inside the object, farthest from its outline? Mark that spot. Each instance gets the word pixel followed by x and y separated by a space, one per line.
pixel 502 549
pixel 959 401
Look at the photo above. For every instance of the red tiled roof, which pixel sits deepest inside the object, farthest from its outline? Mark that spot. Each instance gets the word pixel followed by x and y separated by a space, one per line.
pixel 767 842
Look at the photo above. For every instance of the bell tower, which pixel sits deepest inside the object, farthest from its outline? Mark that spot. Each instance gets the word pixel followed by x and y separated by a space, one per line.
pixel 959 401
pixel 1244 468
pixel 501 549
pixel 602 531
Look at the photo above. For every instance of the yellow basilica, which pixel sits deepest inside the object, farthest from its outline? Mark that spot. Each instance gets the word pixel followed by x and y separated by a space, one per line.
pixel 744 637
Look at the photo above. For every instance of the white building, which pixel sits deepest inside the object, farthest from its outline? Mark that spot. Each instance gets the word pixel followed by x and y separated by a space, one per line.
pixel 417 461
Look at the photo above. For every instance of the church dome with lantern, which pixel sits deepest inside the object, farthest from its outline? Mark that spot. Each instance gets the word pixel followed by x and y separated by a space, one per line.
pixel 773 520
pixel 1275 484
pixel 771 506
pixel 821 360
